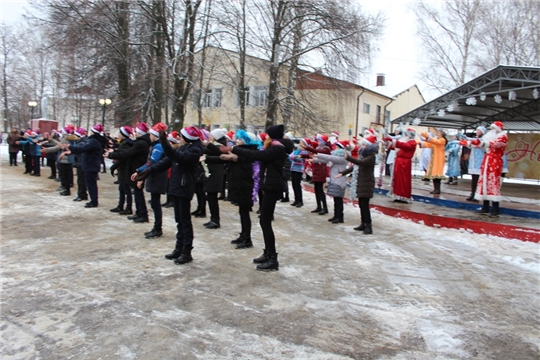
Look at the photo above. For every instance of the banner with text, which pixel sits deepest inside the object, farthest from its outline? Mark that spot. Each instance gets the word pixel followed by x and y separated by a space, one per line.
pixel 523 154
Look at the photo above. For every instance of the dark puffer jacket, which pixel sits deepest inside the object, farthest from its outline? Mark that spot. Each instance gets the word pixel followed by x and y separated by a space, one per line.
pixel 320 170
pixel 366 167
pixel 121 165
pixel 240 177
pixel 136 155
pixel 214 182
pixel 184 162
pixel 92 152
pixel 272 160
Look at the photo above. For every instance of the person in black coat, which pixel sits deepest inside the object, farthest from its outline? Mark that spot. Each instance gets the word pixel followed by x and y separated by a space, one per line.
pixel 92 153
pixel 136 157
pixel 184 162
pixel 125 197
pixel 213 183
pixel 242 174
pixel 272 183
pixel 82 192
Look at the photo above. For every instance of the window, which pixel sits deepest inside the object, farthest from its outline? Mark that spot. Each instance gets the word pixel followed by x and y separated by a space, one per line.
pixel 255 96
pixel 387 116
pixel 378 115
pixel 237 98
pixel 366 108
pixel 211 98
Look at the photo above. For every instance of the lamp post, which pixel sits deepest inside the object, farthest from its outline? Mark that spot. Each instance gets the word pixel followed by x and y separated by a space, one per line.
pixel 104 103
pixel 32 105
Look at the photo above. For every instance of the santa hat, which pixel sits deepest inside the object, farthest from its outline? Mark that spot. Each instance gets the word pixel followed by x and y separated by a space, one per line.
pixel 343 143
pixel 174 137
pixel 142 128
pixel 497 125
pixel 80 132
pixel 323 139
pixel 370 132
pixel 230 134
pixel 288 135
pixel 126 130
pixel 411 132
pixel 98 129
pixel 335 134
pixel 369 140
pixel 190 133
pixel 157 128
pixel 262 136
pixel 218 134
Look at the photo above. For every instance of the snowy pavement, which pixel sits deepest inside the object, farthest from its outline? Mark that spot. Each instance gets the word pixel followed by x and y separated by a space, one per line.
pixel 85 284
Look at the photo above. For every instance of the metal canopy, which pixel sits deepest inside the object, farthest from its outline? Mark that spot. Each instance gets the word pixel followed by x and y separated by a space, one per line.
pixel 491 92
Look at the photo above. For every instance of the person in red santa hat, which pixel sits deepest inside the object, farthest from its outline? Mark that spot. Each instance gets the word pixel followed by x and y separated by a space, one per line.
pixel 489 183
pixel 184 162
pixel 156 183
pixel 136 157
pixel 92 151
pixel 401 187
pixel 320 172
pixel 125 197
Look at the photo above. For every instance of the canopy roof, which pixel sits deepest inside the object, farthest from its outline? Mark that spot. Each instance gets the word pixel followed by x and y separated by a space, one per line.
pixel 484 100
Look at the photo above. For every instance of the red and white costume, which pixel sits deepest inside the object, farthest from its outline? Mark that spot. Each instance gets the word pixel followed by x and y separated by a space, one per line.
pixel 402 175
pixel 489 183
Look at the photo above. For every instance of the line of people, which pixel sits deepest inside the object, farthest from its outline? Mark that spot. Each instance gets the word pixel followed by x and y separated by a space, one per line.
pixel 193 161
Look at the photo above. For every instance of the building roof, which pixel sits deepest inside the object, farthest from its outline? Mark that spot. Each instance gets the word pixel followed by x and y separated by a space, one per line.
pixel 487 98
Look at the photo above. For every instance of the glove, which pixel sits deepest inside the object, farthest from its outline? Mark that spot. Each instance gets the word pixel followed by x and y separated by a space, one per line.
pixel 144 174
pixel 463 143
pixel 475 142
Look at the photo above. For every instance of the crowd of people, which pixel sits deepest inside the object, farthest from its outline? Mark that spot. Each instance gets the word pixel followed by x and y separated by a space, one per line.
pixel 248 169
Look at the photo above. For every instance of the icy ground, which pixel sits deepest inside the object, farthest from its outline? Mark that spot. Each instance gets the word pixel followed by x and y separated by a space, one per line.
pixel 85 284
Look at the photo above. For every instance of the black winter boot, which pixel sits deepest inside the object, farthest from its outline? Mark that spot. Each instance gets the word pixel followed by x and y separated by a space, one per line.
pixel 368 230
pixel 246 243
pixel 239 240
pixel 271 264
pixel 154 233
pixel 185 257
pixel 117 209
pixel 361 227
pixel 174 255
pixel 495 211
pixel 485 208
pixel 261 259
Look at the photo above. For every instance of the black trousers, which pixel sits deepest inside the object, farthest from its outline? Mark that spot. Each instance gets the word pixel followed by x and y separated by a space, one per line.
pixel 13 158
pixel 296 180
pixel 201 197
pixel 365 214
pixel 213 205
pixel 66 175
pixel 124 195
pixel 140 203
pixel 91 178
pixel 52 164
pixel 338 208
pixel 320 196
pixel 28 162
pixel 37 164
pixel 474 184
pixel 268 206
pixel 81 184
pixel 155 204
pixel 245 221
pixel 182 216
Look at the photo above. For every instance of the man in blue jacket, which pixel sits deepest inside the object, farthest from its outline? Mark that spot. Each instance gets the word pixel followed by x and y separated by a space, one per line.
pixel 184 162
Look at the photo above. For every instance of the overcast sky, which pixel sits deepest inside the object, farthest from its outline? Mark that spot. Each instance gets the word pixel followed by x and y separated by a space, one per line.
pixel 397 58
